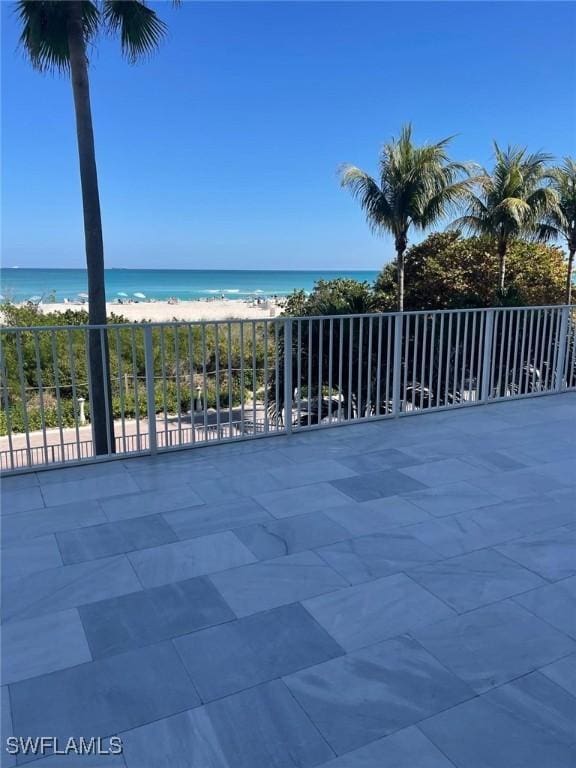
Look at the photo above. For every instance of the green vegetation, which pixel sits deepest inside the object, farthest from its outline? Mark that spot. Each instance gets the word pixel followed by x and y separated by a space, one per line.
pixel 417 186
pixel 217 358
pixel 561 221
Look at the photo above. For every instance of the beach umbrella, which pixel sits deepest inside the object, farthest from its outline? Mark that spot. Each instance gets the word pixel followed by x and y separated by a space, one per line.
pixel 139 295
pixel 82 295
pixel 35 298
pixel 121 293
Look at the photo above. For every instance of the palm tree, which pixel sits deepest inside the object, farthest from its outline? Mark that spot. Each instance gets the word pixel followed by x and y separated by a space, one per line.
pixel 561 222
pixel 417 185
pixel 509 202
pixel 55 36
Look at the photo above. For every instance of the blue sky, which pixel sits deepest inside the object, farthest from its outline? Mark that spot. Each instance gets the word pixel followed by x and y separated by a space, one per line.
pixel 222 150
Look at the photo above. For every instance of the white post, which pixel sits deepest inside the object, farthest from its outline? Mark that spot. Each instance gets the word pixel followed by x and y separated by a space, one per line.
pixel 397 362
pixel 487 355
pixel 288 375
pixel 562 344
pixel 150 394
pixel 82 415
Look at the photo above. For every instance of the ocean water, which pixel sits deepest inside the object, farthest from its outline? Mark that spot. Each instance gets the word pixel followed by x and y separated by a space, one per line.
pixel 19 284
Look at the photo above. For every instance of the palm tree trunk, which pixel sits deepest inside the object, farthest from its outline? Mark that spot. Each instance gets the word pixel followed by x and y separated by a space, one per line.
pixel 502 247
pixel 103 425
pixel 401 244
pixel 571 253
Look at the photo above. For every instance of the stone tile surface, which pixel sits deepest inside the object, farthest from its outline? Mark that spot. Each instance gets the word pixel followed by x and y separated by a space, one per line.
pixel 369 694
pixel 43 644
pixel 149 616
pixel 66 587
pixel 408 748
pixel 493 645
pixel 555 603
pixel 509 727
pixel 104 697
pixel 367 613
pixel 199 521
pixel 377 485
pixel 291 534
pixel 297 501
pixel 238 655
pixel 370 557
pixel 276 582
pixel 551 554
pixel 108 539
pixel 450 498
pixel 185 559
pixel 430 626
pixel 260 728
pixel 469 581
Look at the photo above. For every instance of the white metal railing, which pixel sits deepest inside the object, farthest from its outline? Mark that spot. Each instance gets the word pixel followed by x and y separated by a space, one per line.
pixel 174 385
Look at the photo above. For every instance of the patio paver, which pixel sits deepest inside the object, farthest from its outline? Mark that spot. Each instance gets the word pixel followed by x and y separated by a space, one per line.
pixel 242 606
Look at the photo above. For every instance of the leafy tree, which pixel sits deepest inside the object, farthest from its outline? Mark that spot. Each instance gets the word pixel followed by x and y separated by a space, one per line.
pixel 416 187
pixel 55 36
pixel 508 203
pixel 561 222
pixel 447 271
pixel 341 296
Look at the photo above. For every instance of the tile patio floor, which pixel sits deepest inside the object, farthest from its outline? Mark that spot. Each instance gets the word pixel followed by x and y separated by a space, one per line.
pixel 386 595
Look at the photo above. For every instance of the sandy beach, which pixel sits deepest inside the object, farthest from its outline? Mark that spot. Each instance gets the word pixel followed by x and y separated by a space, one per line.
pixel 162 311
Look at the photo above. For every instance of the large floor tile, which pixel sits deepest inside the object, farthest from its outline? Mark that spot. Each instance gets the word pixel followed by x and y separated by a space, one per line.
pixel 551 554
pixel 563 673
pixel 238 655
pixel 44 644
pixel 186 559
pixel 516 484
pixel 526 724
pixel 6 730
pixel 292 475
pixel 370 557
pixel 367 613
pixel 361 697
pixel 30 556
pixel 151 502
pixel 469 581
pixel 146 617
pixel 408 748
pixel 66 587
pixel 272 583
pixel 167 476
pixel 103 697
pixel 297 501
pixel 21 499
pixel 87 488
pixel 108 539
pixel 555 603
pixel 450 498
pixel 260 728
pixel 198 521
pixel 377 485
pixel 377 516
pixel 29 525
pixel 387 458
pixel 444 471
pixel 291 534
pixel 230 488
pixel 494 645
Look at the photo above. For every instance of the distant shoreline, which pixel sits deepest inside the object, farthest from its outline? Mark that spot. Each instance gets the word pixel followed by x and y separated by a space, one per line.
pixel 186 311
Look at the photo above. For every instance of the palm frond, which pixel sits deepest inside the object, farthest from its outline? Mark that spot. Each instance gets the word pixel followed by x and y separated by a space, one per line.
pixel 44 35
pixel 140 28
pixel 372 199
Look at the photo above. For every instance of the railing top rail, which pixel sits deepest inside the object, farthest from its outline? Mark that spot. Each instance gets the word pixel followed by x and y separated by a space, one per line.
pixel 271 320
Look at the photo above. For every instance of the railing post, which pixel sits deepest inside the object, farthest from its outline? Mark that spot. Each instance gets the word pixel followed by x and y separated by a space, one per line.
pixel 150 394
pixel 562 345
pixel 288 375
pixel 487 346
pixel 397 363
